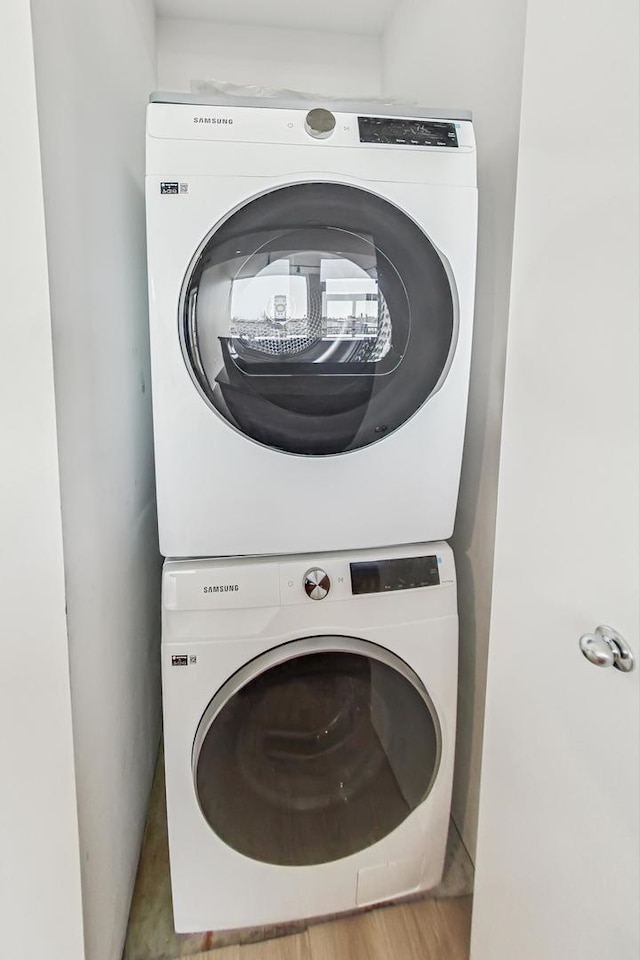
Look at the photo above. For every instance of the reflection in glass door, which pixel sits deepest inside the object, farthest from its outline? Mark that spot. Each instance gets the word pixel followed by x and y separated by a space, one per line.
pixel 317 319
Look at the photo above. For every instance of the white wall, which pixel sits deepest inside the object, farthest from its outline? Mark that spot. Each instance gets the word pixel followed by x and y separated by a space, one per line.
pixel 453 53
pixel 95 65
pixel 309 60
pixel 40 904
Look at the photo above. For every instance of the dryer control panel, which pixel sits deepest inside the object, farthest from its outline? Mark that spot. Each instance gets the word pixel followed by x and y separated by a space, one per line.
pixel 421 133
pixel 411 133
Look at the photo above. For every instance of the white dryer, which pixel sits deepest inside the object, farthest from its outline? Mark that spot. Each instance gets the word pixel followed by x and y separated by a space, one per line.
pixel 309 729
pixel 312 287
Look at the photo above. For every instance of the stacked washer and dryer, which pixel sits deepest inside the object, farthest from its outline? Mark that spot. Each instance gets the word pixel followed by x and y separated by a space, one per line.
pixel 311 284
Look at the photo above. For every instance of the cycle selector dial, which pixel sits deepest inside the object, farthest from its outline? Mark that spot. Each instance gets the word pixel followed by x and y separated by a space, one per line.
pixel 316 583
pixel 320 123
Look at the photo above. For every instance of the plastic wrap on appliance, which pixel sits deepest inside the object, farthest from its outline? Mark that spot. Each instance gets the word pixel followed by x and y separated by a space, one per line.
pixel 225 88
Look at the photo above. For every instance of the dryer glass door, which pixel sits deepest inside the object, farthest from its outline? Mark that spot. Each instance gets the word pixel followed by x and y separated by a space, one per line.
pixel 314 751
pixel 317 319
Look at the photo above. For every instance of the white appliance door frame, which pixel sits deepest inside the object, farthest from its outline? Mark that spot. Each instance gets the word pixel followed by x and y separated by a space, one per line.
pixel 283 748
pixel 307 382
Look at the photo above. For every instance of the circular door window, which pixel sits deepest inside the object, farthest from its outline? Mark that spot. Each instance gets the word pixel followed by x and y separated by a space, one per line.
pixel 317 319
pixel 314 751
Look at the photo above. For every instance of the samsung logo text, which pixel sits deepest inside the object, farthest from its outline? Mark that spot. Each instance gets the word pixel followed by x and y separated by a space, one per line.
pixel 224 588
pixel 212 120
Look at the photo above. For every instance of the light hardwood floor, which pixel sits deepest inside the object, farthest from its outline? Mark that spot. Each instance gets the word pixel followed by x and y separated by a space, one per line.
pixel 422 930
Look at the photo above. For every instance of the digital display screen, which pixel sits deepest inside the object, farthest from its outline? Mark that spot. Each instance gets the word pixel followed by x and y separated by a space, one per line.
pixel 381 576
pixel 415 133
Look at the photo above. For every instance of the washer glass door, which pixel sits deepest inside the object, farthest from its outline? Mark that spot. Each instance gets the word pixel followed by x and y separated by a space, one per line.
pixel 314 751
pixel 317 318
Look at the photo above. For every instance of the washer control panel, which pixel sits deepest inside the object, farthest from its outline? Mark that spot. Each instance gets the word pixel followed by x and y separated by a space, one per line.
pixel 245 583
pixel 345 576
pixel 401 573
pixel 316 583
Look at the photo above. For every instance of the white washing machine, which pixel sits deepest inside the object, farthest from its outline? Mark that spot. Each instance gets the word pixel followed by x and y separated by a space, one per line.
pixel 312 285
pixel 309 728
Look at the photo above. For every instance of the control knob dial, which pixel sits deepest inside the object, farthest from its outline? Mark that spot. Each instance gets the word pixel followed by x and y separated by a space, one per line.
pixel 316 583
pixel 320 123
